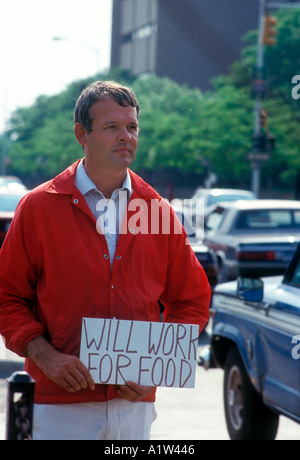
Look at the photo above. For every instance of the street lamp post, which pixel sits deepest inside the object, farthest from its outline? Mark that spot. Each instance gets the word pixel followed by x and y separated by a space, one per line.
pixel 86 45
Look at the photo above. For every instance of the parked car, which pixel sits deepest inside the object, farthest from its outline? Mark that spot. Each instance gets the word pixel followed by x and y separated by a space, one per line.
pixel 10 180
pixel 256 340
pixel 204 254
pixel 214 196
pixel 10 195
pixel 256 237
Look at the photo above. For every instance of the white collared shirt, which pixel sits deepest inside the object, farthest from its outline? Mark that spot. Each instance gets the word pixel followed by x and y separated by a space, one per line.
pixel 109 213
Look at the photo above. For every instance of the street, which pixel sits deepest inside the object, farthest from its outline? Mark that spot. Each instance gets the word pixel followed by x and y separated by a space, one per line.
pixel 187 414
pixel 197 414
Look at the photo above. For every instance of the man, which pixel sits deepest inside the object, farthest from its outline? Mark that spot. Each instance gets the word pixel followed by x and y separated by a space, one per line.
pixel 61 262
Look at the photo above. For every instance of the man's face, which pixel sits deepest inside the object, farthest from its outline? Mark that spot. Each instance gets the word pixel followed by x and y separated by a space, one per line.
pixel 113 141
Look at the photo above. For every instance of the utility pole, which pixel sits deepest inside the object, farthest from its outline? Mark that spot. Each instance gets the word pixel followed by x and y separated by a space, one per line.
pixel 256 162
pixel 263 142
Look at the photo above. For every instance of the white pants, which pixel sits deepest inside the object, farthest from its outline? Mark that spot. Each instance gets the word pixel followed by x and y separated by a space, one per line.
pixel 117 419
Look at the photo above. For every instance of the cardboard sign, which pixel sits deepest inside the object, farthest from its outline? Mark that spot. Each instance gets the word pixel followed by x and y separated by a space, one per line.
pixel 148 353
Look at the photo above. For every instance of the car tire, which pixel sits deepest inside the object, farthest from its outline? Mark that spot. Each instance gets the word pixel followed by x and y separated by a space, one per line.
pixel 247 417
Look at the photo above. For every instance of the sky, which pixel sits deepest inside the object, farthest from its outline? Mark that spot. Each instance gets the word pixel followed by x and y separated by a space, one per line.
pixel 32 63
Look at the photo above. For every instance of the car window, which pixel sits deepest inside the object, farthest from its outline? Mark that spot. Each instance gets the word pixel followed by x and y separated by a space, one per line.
pixel 214 220
pixel 297 217
pixel 267 219
pixel 295 280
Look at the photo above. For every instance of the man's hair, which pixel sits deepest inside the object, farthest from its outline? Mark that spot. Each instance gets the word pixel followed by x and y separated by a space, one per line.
pixel 100 90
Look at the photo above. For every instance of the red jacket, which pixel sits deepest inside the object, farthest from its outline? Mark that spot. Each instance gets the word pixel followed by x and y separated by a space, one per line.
pixel 55 270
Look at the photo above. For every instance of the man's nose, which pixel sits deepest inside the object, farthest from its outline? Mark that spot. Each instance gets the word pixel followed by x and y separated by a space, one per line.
pixel 124 135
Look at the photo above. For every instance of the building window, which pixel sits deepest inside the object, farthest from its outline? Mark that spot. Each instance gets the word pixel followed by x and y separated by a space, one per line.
pixel 145 31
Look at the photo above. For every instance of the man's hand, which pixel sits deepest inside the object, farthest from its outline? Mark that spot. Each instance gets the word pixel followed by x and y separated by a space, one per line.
pixel 63 369
pixel 134 392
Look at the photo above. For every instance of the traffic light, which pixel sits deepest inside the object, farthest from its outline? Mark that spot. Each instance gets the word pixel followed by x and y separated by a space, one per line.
pixel 259 142
pixel 269 31
pixel 263 142
pixel 264 121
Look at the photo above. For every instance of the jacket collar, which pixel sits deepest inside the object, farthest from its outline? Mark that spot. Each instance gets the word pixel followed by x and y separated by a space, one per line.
pixel 64 183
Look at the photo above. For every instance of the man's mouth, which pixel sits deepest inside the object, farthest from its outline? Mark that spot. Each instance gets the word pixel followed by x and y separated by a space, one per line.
pixel 123 150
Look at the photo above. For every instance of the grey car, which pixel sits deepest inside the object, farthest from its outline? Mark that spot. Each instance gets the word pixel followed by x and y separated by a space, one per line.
pixel 253 238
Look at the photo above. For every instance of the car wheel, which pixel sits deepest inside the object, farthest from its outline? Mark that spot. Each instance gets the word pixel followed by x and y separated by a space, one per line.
pixel 247 417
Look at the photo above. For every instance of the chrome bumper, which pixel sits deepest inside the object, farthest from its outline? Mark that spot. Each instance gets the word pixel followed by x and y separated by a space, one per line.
pixel 206 359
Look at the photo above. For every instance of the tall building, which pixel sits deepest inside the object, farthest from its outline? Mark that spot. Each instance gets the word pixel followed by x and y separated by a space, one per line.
pixel 189 41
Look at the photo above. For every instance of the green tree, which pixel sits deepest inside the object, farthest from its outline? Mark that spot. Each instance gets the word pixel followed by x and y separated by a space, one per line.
pixel 181 126
pixel 168 113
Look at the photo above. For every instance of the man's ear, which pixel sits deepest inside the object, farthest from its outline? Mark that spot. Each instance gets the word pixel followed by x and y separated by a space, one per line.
pixel 80 133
